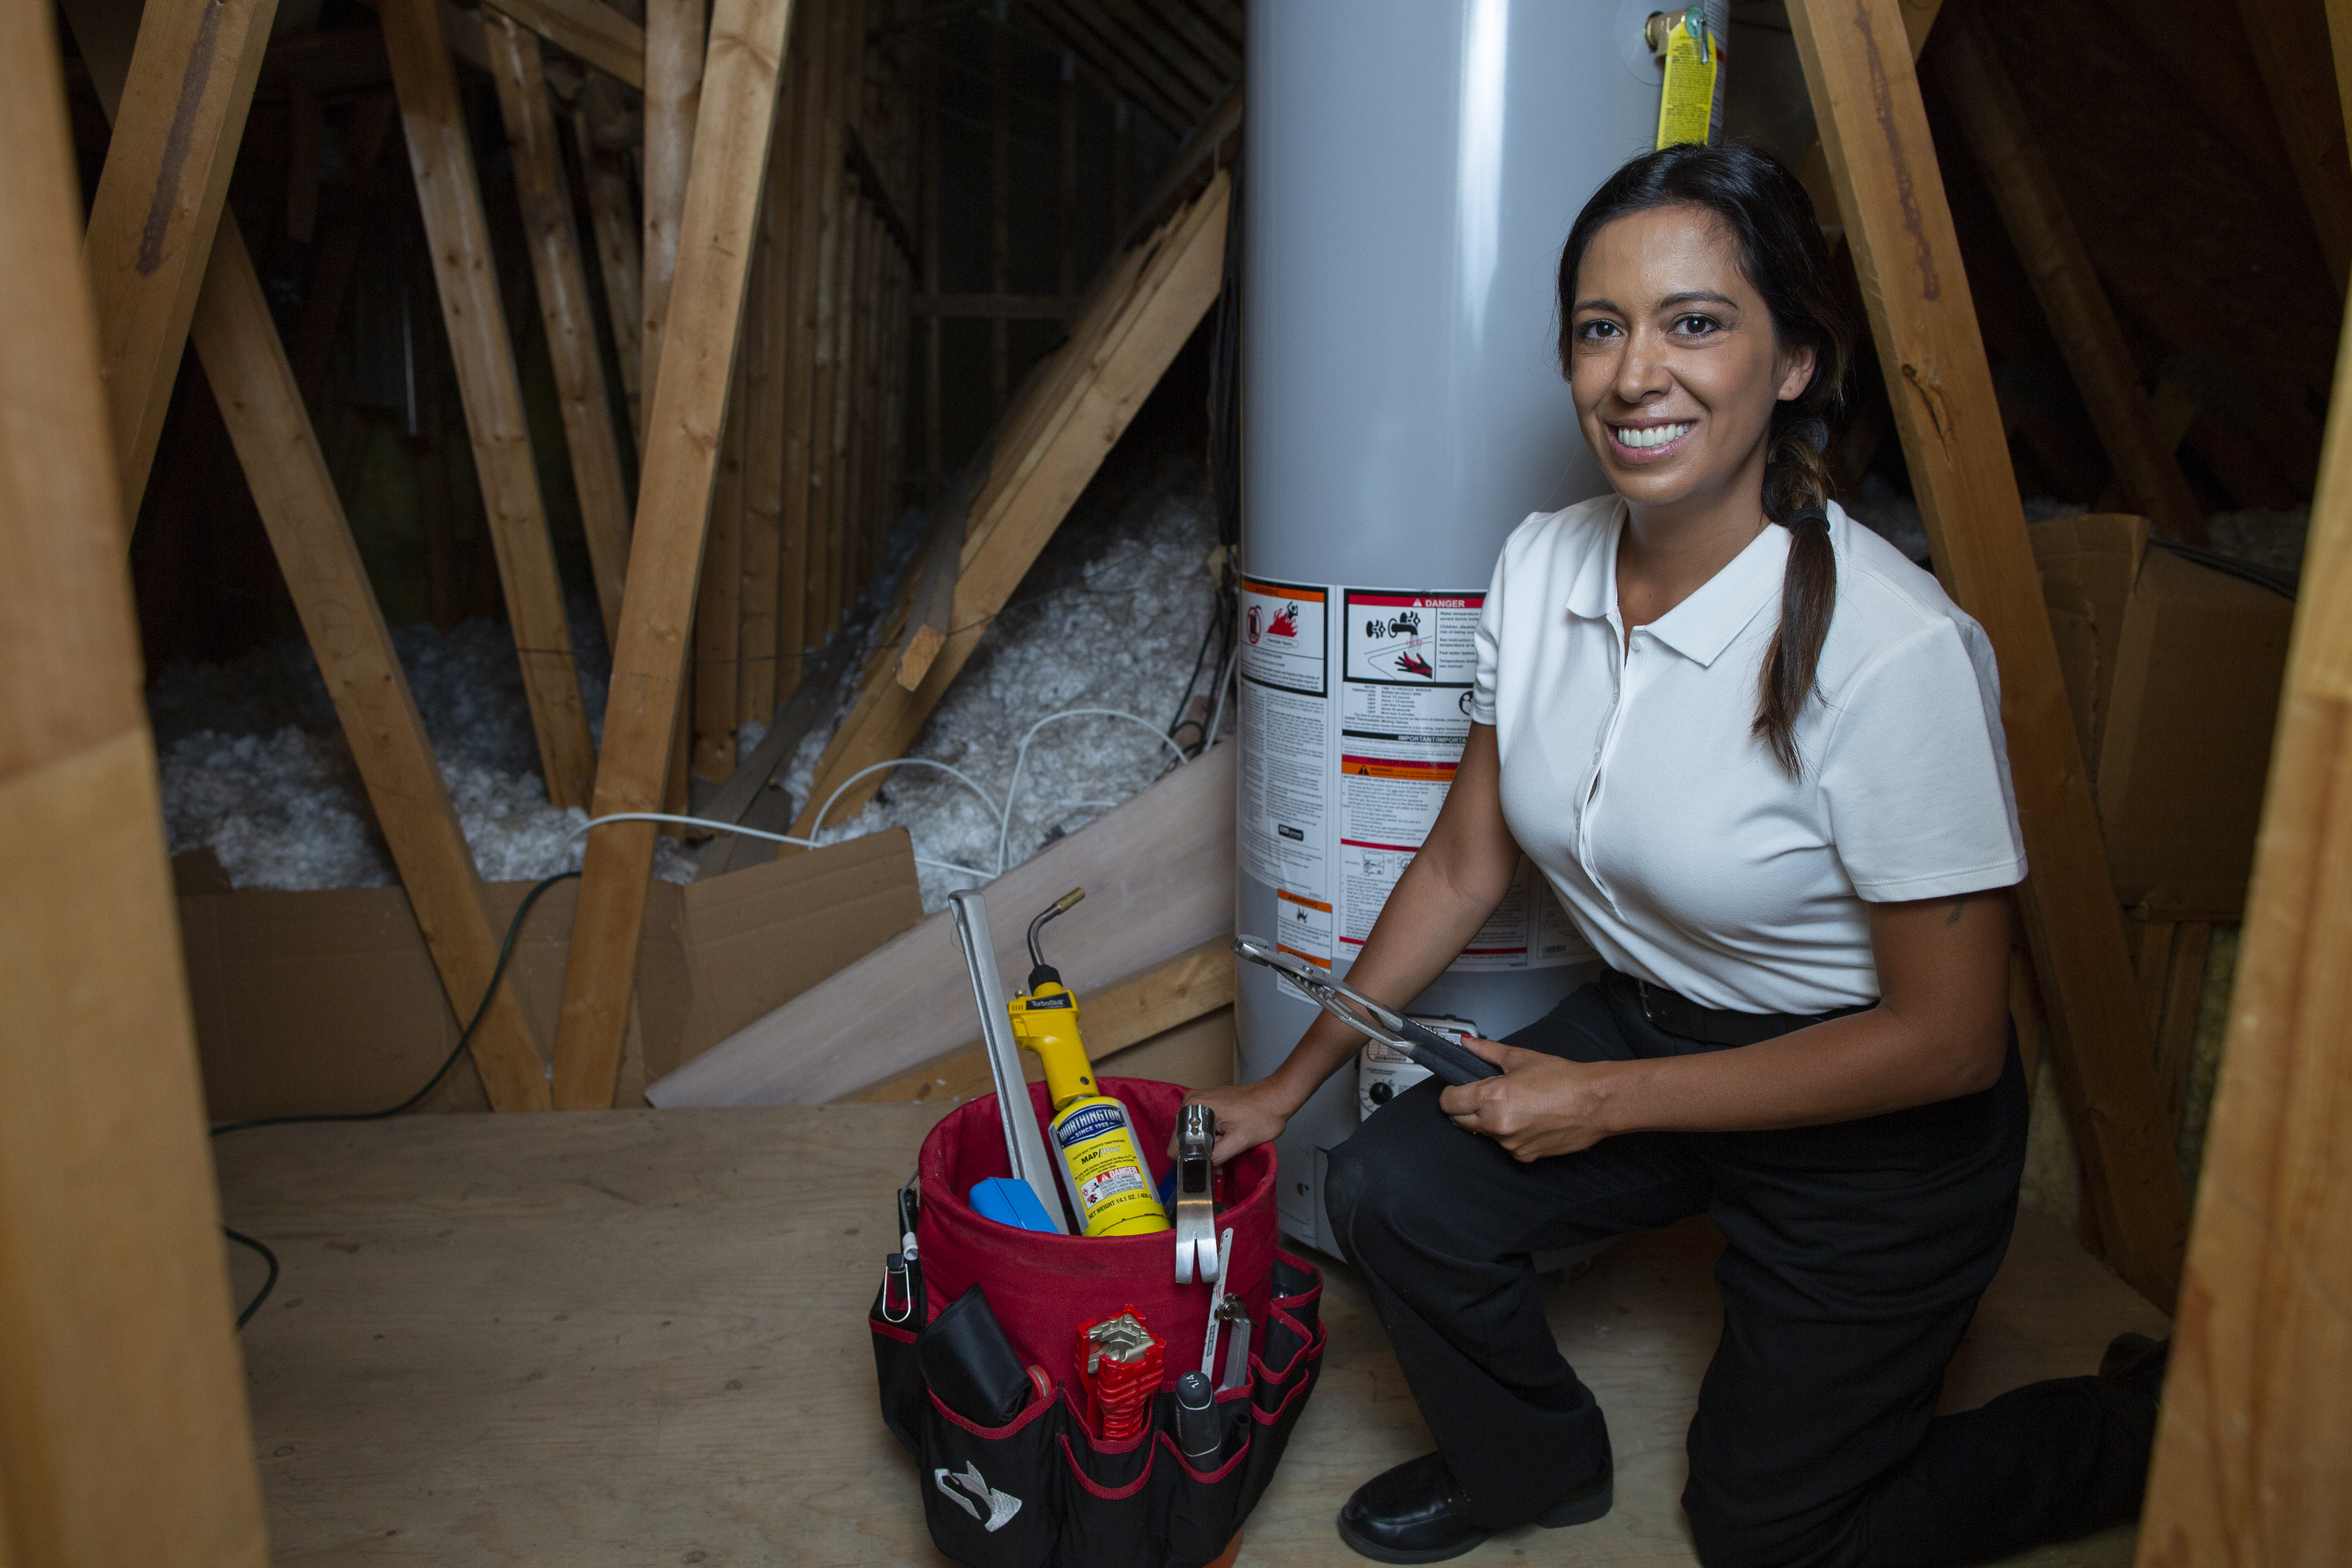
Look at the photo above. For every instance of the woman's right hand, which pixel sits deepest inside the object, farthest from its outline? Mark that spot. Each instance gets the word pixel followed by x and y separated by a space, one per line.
pixel 1248 1114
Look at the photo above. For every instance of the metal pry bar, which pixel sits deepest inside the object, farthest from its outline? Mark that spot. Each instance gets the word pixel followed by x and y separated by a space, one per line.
pixel 1025 1145
pixel 1196 1213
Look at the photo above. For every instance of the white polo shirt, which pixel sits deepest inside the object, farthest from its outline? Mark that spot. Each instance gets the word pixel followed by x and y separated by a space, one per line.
pixel 1684 852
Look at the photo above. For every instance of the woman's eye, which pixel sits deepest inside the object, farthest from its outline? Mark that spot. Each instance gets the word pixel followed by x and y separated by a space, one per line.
pixel 1594 331
pixel 1696 326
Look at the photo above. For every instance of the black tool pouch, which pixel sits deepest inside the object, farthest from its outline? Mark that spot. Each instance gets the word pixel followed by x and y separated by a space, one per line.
pixel 1041 1492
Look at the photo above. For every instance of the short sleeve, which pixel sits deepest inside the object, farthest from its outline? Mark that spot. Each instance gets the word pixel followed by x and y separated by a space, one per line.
pixel 1490 642
pixel 1914 771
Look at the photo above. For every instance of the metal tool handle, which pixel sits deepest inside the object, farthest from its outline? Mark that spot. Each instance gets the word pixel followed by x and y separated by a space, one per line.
pixel 1447 1061
pixel 1025 1145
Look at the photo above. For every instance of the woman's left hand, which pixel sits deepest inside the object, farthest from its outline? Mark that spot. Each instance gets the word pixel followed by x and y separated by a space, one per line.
pixel 1542 1106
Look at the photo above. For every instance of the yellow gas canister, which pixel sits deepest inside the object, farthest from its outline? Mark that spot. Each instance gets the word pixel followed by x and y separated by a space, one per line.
pixel 1104 1174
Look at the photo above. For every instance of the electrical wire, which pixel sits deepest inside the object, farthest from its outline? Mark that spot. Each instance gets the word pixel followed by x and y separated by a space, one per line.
pixel 901 762
pixel 465 1038
pixel 717 827
pixel 1021 758
pixel 267 1285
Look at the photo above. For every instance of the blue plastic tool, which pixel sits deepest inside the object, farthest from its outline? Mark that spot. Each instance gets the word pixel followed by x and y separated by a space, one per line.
pixel 1010 1202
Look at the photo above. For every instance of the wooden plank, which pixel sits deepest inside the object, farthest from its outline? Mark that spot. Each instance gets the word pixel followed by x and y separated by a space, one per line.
pixel 1158 875
pixel 1858 69
pixel 1124 1013
pixel 689 406
pixel 674 59
pixel 590 30
pixel 763 446
pixel 441 157
pixel 796 625
pixel 1048 447
pixel 638 1260
pixel 2252 1463
pixel 1152 44
pixel 998 307
pixel 296 497
pixel 619 239
pixel 123 1431
pixel 2184 1002
pixel 2291 50
pixel 337 253
pixel 2078 311
pixel 544 187
pixel 306 145
pixel 833 203
pixel 1053 21
pixel 159 200
pixel 930 609
pixel 718 602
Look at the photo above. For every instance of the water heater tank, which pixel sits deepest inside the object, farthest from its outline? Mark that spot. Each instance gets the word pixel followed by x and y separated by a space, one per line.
pixel 1412 168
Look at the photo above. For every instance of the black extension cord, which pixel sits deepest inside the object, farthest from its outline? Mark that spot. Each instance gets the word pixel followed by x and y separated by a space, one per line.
pixel 465 1038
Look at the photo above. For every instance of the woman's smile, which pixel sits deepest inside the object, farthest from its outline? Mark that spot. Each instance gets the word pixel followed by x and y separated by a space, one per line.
pixel 1650 441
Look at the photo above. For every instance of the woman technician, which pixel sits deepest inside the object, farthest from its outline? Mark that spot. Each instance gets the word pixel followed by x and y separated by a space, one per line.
pixel 1759 754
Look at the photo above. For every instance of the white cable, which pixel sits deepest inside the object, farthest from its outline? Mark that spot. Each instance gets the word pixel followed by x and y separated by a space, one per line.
pixel 985 798
pixel 1217 714
pixel 1021 757
pixel 747 832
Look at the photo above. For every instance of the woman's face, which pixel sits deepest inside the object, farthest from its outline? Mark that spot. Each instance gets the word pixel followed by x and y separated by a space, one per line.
pixel 1674 364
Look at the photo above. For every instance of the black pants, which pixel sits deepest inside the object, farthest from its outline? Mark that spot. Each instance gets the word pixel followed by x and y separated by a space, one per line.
pixel 1856 1252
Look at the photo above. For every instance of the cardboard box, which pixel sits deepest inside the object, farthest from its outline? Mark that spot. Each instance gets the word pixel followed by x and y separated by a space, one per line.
pixel 2174 671
pixel 319 1002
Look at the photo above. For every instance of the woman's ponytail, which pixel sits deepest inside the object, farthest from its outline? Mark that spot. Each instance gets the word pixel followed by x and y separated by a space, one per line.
pixel 1796 496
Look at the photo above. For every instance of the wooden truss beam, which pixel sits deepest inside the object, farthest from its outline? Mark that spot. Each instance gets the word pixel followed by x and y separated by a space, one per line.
pixel 1045 451
pixel 564 308
pixel 2290 45
pixel 620 239
pixel 689 406
pixel 440 155
pixel 2065 281
pixel 159 200
pixel 2251 1461
pixel 673 88
pixel 588 30
pixel 124 1430
pixel 1857 64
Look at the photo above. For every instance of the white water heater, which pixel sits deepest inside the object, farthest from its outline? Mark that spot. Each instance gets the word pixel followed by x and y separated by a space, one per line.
pixel 1412 168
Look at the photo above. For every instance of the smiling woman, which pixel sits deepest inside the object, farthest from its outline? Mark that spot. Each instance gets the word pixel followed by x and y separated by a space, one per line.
pixel 1788 835
pixel 1715 376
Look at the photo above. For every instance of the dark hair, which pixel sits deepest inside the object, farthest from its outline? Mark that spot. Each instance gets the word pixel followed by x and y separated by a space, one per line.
pixel 1784 258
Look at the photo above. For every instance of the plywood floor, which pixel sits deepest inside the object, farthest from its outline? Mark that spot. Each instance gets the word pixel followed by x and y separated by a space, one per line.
pixel 637 1338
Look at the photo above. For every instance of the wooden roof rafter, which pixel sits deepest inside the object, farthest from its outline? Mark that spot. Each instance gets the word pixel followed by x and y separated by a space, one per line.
pixel 1059 28
pixel 1202 36
pixel 1151 43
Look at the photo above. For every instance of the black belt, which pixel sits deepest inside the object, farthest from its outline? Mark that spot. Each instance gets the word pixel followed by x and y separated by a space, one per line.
pixel 1671 1013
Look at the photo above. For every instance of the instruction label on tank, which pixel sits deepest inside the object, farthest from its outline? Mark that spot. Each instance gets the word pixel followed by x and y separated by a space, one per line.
pixel 1286 713
pixel 1305 928
pixel 1410 663
pixel 1342 780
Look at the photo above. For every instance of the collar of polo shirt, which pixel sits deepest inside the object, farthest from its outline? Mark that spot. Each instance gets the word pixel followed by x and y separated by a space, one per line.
pixel 1703 625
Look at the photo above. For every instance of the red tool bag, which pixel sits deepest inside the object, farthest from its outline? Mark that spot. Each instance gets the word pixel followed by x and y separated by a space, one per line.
pixel 1044 1490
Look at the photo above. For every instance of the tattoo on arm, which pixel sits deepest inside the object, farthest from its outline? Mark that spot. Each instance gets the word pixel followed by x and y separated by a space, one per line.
pixel 1958 906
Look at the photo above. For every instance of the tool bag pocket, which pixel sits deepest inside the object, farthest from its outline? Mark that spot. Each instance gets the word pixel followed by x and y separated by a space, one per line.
pixel 1042 1491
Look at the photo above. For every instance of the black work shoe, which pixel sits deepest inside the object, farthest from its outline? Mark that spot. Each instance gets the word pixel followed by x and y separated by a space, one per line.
pixel 2131 1384
pixel 1413 1513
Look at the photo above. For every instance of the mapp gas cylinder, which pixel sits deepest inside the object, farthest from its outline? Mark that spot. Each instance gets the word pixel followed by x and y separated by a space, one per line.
pixel 1091 1136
